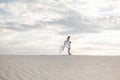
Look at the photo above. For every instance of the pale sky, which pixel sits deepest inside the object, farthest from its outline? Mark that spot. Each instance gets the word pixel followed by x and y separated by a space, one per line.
pixel 39 27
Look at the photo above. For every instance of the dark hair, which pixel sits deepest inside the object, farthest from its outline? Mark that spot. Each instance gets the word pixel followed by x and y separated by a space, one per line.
pixel 68 37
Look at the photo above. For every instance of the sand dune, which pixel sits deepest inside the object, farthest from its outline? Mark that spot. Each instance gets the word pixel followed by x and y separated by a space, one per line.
pixel 59 68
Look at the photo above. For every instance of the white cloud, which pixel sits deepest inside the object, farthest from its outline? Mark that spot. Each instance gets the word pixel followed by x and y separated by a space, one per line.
pixel 39 26
pixel 105 43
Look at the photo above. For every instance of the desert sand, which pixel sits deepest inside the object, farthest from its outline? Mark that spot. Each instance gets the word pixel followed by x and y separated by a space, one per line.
pixel 59 67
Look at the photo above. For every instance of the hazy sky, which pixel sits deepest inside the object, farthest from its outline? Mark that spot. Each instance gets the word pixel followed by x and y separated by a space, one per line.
pixel 41 26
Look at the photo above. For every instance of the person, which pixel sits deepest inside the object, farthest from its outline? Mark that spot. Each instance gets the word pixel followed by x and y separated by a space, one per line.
pixel 67 44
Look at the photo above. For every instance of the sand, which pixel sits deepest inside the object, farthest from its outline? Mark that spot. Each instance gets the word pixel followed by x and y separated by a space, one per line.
pixel 59 68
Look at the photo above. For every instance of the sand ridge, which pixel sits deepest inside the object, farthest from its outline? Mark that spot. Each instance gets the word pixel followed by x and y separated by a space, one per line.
pixel 59 68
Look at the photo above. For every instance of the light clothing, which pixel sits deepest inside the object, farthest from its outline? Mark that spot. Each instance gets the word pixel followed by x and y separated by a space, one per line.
pixel 66 44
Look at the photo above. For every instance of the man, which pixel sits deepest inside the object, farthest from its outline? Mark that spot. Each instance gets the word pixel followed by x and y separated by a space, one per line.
pixel 67 44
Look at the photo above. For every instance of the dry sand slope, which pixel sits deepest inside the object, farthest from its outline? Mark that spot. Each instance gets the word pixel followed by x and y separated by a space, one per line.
pixel 59 68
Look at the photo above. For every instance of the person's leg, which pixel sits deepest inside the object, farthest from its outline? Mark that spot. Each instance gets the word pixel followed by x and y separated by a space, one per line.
pixel 69 51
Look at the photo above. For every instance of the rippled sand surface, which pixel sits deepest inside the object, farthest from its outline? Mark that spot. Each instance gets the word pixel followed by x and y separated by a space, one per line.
pixel 59 68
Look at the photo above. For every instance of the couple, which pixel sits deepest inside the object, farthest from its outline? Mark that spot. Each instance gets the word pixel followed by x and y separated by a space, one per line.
pixel 67 44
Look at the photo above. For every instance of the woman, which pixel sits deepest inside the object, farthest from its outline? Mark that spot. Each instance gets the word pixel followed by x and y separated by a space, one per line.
pixel 67 44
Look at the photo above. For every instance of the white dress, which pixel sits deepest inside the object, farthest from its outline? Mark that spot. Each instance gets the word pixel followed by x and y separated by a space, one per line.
pixel 66 44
